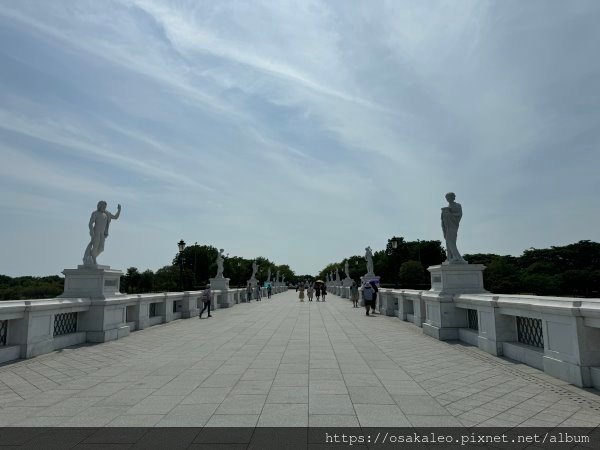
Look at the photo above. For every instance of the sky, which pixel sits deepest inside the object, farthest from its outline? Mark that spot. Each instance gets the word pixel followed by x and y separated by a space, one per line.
pixel 301 131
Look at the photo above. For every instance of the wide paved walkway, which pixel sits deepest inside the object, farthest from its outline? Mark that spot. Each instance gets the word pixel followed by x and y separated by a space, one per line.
pixel 284 363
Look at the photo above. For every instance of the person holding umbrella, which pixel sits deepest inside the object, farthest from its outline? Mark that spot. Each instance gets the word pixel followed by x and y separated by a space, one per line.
pixel 318 290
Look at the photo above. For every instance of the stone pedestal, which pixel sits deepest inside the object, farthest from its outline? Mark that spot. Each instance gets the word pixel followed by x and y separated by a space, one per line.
pixel 442 318
pixel 105 320
pixel 347 282
pixel 219 283
pixel 95 282
pixel 457 278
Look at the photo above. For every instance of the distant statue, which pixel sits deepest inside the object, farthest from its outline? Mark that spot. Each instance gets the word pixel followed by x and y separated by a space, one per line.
pixel 220 260
pixel 254 270
pixel 346 270
pixel 369 259
pixel 451 216
pixel 98 225
pixel 269 275
pixel 283 278
pixel 337 275
pixel 277 277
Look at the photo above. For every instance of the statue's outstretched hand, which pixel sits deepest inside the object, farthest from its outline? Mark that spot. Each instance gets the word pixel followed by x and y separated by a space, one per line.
pixel 119 207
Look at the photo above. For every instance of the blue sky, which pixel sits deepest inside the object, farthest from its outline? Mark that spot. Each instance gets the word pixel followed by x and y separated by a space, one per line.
pixel 301 131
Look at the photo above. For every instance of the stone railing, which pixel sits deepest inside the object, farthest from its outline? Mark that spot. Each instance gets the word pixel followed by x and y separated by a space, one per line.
pixel 558 335
pixel 33 327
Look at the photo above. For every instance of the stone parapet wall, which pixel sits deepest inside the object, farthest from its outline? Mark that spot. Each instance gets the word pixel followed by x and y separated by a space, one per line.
pixel 559 335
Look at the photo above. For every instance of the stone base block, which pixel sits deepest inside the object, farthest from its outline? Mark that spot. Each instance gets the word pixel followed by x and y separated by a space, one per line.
pixel 219 284
pixel 108 335
pixel 442 334
pixel 569 372
pixel 457 278
pixel 97 282
pixel 489 346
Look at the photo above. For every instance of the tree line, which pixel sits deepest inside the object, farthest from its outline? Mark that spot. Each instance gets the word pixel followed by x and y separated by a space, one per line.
pixel 571 270
pixel 198 265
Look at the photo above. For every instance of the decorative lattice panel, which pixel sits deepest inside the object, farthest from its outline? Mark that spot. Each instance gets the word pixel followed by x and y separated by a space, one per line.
pixel 3 331
pixel 65 323
pixel 529 331
pixel 473 319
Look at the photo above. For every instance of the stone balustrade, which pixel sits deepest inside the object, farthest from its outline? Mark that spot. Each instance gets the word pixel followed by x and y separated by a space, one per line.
pixel 30 328
pixel 558 335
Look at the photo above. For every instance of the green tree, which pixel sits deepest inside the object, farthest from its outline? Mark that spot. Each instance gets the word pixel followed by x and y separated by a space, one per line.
pixel 412 275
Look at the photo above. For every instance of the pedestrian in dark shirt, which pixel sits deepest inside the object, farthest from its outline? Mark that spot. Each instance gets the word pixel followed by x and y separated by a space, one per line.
pixel 207 300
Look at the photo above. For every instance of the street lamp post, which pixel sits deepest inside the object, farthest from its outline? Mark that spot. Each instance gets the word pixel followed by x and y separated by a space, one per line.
pixel 396 268
pixel 181 246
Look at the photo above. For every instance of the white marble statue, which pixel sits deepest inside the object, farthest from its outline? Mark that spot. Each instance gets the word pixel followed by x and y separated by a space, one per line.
pixel 451 216
pixel 346 270
pixel 337 275
pixel 254 270
pixel 369 259
pixel 277 277
pixel 98 225
pixel 269 275
pixel 283 278
pixel 220 260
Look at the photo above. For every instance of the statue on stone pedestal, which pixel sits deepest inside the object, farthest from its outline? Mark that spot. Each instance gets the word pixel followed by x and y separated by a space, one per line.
pixel 346 270
pixel 337 275
pixel 451 216
pixel 220 260
pixel 283 278
pixel 269 275
pixel 369 259
pixel 98 225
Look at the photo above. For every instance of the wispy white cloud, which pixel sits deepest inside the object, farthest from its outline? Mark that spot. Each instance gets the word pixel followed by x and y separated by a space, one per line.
pixel 241 122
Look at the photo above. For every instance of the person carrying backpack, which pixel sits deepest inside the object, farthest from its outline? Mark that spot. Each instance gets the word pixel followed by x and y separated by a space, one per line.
pixel 207 300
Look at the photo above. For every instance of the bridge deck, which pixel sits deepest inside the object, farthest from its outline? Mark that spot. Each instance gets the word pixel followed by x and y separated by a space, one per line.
pixel 281 362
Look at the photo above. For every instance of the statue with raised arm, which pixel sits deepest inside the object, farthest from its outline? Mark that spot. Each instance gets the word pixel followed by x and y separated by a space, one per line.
pixel 369 259
pixel 98 225
pixel 451 216
pixel 220 261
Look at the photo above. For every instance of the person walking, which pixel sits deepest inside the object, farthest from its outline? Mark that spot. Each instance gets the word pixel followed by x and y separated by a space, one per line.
pixel 354 295
pixel 301 290
pixel 375 290
pixel 269 290
pixel 323 292
pixel 258 292
pixel 309 292
pixel 367 295
pixel 207 300
pixel 318 291
pixel 249 292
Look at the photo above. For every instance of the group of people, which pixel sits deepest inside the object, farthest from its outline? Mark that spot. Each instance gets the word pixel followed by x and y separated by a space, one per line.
pixel 317 289
pixel 369 294
pixel 207 296
pixel 257 291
